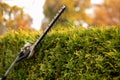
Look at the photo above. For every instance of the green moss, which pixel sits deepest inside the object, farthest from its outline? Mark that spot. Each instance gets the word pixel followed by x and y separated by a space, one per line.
pixel 65 54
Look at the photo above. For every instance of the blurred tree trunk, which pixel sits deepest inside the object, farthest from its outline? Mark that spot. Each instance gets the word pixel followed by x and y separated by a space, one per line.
pixel 75 10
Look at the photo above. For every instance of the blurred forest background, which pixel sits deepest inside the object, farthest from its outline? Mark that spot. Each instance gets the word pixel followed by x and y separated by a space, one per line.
pixel 77 13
